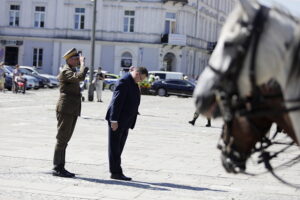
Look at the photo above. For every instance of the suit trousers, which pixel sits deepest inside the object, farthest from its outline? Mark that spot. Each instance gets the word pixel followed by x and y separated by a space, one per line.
pixel 116 140
pixel 65 127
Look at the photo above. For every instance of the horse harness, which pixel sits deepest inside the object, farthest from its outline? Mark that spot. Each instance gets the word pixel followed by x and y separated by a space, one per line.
pixel 231 103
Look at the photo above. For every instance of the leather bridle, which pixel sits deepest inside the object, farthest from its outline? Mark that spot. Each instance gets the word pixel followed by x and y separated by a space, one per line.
pixel 227 95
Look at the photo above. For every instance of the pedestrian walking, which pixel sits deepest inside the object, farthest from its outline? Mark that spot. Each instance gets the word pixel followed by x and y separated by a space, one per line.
pixel 121 115
pixel 99 84
pixel 2 76
pixel 195 117
pixel 68 108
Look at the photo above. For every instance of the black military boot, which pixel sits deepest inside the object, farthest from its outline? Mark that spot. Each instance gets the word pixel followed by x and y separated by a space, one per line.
pixel 62 172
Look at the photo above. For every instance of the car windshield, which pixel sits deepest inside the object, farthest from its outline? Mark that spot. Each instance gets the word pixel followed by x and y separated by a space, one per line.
pixel 9 68
pixel 31 70
pixel 192 83
pixel 26 71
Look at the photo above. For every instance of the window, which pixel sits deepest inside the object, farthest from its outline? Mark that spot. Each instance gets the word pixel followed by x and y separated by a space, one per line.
pixel 161 76
pixel 126 60
pixel 170 23
pixel 37 57
pixel 14 15
pixel 129 21
pixel 79 18
pixel 39 17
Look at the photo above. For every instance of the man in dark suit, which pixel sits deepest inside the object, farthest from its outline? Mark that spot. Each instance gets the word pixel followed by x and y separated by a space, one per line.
pixel 121 115
pixel 68 108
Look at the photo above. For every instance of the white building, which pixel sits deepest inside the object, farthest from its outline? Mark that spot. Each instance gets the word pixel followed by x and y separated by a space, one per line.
pixel 174 35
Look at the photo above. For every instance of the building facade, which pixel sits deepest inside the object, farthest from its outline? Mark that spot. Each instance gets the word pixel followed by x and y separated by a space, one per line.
pixel 172 35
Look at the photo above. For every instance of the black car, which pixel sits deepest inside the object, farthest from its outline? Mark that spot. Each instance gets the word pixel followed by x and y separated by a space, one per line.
pixel 173 87
pixel 8 81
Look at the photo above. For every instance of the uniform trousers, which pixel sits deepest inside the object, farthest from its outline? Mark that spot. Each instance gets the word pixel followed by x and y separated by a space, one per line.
pixel 65 127
pixel 116 140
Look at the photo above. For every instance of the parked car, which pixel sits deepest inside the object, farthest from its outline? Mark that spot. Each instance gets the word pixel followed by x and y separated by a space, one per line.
pixel 42 80
pixel 53 81
pixel 172 87
pixel 8 81
pixel 163 75
pixel 31 81
pixel 86 82
pixel 110 81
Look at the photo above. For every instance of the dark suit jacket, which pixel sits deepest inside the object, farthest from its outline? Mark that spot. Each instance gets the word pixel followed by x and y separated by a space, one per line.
pixel 125 102
pixel 69 101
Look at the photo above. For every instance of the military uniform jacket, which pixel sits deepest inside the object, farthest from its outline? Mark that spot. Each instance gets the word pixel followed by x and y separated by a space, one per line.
pixel 69 101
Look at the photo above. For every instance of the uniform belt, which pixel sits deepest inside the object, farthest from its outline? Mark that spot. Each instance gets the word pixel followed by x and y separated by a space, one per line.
pixel 63 94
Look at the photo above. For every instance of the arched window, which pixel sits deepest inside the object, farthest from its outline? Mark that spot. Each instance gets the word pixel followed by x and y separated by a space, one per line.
pixel 126 60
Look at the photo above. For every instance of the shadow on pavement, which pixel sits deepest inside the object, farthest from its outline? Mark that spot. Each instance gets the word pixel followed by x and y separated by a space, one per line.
pixel 149 185
pixel 183 187
pixel 123 183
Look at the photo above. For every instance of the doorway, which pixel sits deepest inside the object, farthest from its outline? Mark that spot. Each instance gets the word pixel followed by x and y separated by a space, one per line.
pixel 11 55
pixel 169 63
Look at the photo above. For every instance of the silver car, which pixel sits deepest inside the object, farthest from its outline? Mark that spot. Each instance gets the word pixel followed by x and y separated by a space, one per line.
pixel 53 81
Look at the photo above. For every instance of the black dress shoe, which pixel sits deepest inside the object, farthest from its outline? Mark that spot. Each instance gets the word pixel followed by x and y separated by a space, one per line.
pixel 62 173
pixel 120 177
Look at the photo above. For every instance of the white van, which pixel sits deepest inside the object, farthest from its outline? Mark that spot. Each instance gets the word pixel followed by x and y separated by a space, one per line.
pixel 167 75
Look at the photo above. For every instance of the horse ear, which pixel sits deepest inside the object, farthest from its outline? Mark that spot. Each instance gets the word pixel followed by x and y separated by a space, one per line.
pixel 249 7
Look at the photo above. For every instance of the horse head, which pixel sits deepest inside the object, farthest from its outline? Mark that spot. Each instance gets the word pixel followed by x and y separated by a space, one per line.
pixel 256 44
pixel 240 136
pixel 244 42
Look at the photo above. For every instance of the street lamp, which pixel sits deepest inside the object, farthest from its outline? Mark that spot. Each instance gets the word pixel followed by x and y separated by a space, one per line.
pixel 91 86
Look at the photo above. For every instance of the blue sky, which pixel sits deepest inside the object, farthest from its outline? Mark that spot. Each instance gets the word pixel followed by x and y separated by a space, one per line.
pixel 292 5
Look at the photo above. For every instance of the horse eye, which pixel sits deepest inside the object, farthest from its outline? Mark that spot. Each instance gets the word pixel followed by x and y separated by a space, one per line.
pixel 228 44
pixel 244 24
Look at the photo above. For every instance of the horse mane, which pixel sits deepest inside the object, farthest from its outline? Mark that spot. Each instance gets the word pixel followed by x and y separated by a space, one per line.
pixel 295 68
pixel 283 11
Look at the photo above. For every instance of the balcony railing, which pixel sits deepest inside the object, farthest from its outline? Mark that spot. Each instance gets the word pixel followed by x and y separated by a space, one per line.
pixel 174 39
pixel 176 1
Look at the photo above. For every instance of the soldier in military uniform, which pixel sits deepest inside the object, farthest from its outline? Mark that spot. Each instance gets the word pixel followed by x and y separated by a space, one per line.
pixel 68 108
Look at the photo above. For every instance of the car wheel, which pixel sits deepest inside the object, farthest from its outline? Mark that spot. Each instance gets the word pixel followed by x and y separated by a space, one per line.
pixel 162 92
pixel 112 87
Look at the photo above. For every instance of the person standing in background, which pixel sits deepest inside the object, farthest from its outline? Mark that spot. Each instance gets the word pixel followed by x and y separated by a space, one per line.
pixel 68 108
pixel 16 73
pixel 99 84
pixel 2 77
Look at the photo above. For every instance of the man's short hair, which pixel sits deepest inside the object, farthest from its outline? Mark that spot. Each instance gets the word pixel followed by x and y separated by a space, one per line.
pixel 142 70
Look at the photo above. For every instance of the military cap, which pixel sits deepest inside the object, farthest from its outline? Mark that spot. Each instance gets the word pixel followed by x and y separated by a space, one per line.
pixel 70 53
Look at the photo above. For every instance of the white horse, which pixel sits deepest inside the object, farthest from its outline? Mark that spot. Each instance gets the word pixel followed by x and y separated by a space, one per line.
pixel 275 54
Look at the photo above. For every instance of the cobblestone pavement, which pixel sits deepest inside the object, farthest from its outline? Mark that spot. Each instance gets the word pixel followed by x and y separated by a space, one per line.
pixel 166 157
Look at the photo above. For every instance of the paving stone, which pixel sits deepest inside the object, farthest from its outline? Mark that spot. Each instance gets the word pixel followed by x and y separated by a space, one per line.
pixel 166 157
